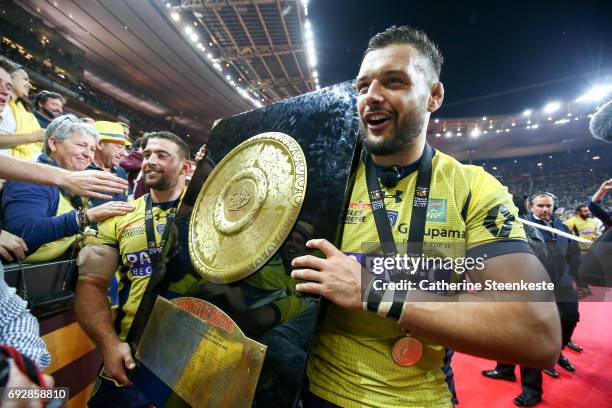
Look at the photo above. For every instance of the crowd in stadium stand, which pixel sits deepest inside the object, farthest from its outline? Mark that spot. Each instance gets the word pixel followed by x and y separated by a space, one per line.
pixel 572 176
pixel 83 91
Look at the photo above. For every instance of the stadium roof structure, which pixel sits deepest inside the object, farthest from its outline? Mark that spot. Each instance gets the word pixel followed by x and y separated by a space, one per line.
pixel 136 52
pixel 262 40
pixel 513 135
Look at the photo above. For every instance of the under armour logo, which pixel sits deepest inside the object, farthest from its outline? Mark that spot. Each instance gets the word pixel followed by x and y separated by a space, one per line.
pixel 397 196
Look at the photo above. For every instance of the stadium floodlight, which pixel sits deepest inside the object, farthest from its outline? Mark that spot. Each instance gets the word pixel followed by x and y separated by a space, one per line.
pixel 596 93
pixel 448 134
pixel 175 16
pixel 313 61
pixel 527 112
pixel 484 118
pixel 188 30
pixel 475 132
pixel 194 37
pixel 552 107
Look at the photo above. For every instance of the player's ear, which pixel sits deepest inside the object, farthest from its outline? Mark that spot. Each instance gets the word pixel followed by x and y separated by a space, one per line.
pixel 186 169
pixel 436 97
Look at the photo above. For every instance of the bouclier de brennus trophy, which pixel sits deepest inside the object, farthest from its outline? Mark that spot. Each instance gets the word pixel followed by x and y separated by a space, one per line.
pixel 240 335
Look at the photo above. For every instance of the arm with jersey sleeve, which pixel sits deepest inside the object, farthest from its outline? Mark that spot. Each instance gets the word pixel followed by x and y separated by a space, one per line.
pixel 488 324
pixel 493 328
pixel 97 263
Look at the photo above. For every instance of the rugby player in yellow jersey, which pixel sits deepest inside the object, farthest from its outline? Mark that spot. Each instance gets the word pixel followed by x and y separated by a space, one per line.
pixel 352 361
pixel 583 225
pixel 122 241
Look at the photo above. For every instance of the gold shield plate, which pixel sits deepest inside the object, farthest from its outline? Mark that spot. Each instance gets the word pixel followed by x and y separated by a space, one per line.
pixel 247 207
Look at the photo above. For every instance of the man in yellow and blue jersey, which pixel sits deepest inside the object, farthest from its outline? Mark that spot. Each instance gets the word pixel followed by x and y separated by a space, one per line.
pixel 125 242
pixel 376 350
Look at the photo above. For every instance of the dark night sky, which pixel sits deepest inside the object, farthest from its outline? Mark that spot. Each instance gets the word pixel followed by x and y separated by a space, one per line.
pixel 533 52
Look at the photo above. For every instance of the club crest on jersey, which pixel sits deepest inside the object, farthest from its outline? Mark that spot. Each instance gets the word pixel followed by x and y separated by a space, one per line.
pixel 436 210
pixel 392 214
pixel 160 228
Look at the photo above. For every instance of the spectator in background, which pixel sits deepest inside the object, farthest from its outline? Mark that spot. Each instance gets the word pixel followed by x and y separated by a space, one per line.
pixel 109 152
pixel 582 225
pixel 133 162
pixel 125 123
pixel 48 218
pixel 595 206
pixel 596 267
pixel 48 106
pixel 19 330
pixel 562 264
pixel 8 126
pixel 25 121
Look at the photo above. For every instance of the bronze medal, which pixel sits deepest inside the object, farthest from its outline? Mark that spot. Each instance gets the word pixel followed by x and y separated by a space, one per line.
pixel 407 351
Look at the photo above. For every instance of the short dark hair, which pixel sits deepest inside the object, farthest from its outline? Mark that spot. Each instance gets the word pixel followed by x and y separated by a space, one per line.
pixel 180 143
pixel 7 66
pixel 42 97
pixel 580 207
pixel 416 38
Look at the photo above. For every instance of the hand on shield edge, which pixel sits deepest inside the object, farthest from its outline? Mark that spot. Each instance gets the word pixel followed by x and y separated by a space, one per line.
pixel 337 278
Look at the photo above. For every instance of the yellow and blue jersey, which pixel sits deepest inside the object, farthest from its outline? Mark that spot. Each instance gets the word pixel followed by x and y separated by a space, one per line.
pixel 469 213
pixel 128 234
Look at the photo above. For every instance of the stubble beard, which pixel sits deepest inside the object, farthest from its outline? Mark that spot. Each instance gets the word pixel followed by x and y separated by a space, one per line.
pixel 162 184
pixel 407 131
pixel 49 113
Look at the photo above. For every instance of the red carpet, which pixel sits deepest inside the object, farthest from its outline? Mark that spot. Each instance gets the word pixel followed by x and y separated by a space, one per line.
pixel 590 386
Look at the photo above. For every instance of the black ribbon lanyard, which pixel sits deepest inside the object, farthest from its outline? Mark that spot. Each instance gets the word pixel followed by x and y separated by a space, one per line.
pixel 157 274
pixel 416 234
pixel 155 250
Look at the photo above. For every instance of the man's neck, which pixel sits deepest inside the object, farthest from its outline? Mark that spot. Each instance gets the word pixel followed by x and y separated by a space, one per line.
pixel 101 164
pixel 41 113
pixel 171 194
pixel 404 157
pixel 542 219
